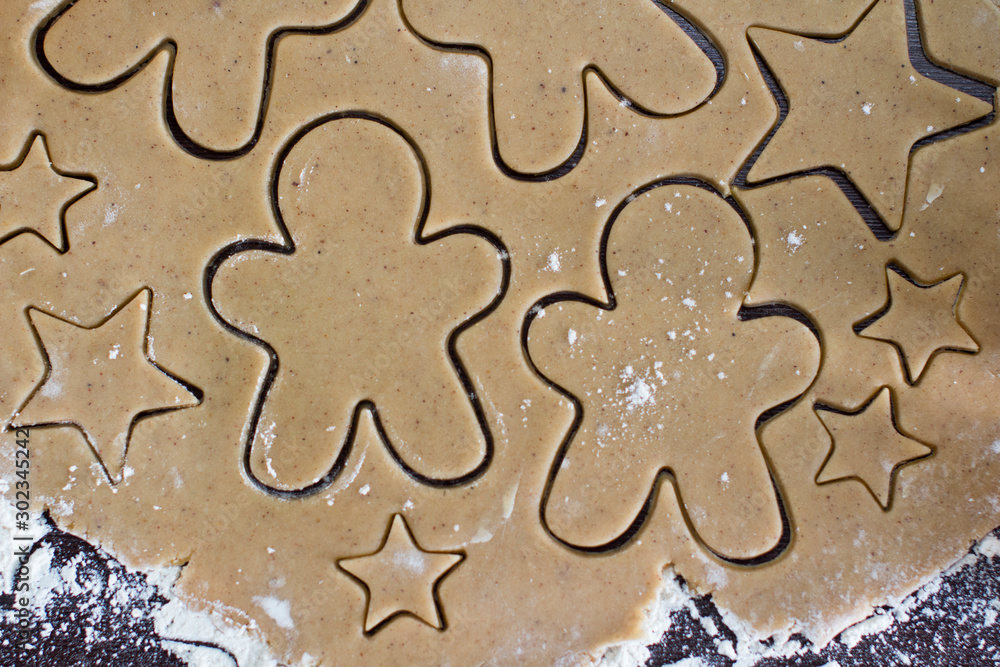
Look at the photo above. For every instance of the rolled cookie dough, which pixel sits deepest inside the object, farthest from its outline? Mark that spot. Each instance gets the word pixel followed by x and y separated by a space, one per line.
pixel 379 335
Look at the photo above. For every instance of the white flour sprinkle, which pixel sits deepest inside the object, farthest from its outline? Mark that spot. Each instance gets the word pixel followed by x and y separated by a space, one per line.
pixel 279 610
pixel 935 191
pixel 638 394
pixel 554 263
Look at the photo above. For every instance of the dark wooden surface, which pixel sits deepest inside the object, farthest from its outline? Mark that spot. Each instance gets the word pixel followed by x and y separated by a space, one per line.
pixel 110 623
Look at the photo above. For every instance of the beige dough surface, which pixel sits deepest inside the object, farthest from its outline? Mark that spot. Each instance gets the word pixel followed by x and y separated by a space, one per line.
pixel 379 281
pixel 650 367
pixel 443 413
pixel 219 50
pixel 539 51
pixel 963 35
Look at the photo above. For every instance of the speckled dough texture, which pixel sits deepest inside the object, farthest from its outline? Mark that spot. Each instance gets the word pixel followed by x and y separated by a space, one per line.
pixel 426 332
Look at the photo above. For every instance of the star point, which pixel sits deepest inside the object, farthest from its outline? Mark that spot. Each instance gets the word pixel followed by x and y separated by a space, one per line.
pixel 401 578
pixel 857 105
pixel 101 380
pixel 921 321
pixel 868 447
pixel 34 196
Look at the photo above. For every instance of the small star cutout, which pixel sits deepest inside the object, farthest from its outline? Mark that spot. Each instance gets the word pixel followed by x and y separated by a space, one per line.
pixel 34 196
pixel 101 380
pixel 921 320
pixel 869 447
pixel 401 578
pixel 858 106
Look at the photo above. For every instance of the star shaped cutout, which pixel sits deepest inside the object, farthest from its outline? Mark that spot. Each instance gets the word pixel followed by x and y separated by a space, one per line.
pixel 921 320
pixel 34 196
pixel 857 105
pixel 101 380
pixel 869 447
pixel 401 578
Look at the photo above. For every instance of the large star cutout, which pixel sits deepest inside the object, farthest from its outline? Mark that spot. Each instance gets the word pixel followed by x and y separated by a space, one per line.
pixel 34 196
pixel 869 447
pixel 101 380
pixel 401 578
pixel 857 105
pixel 921 320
